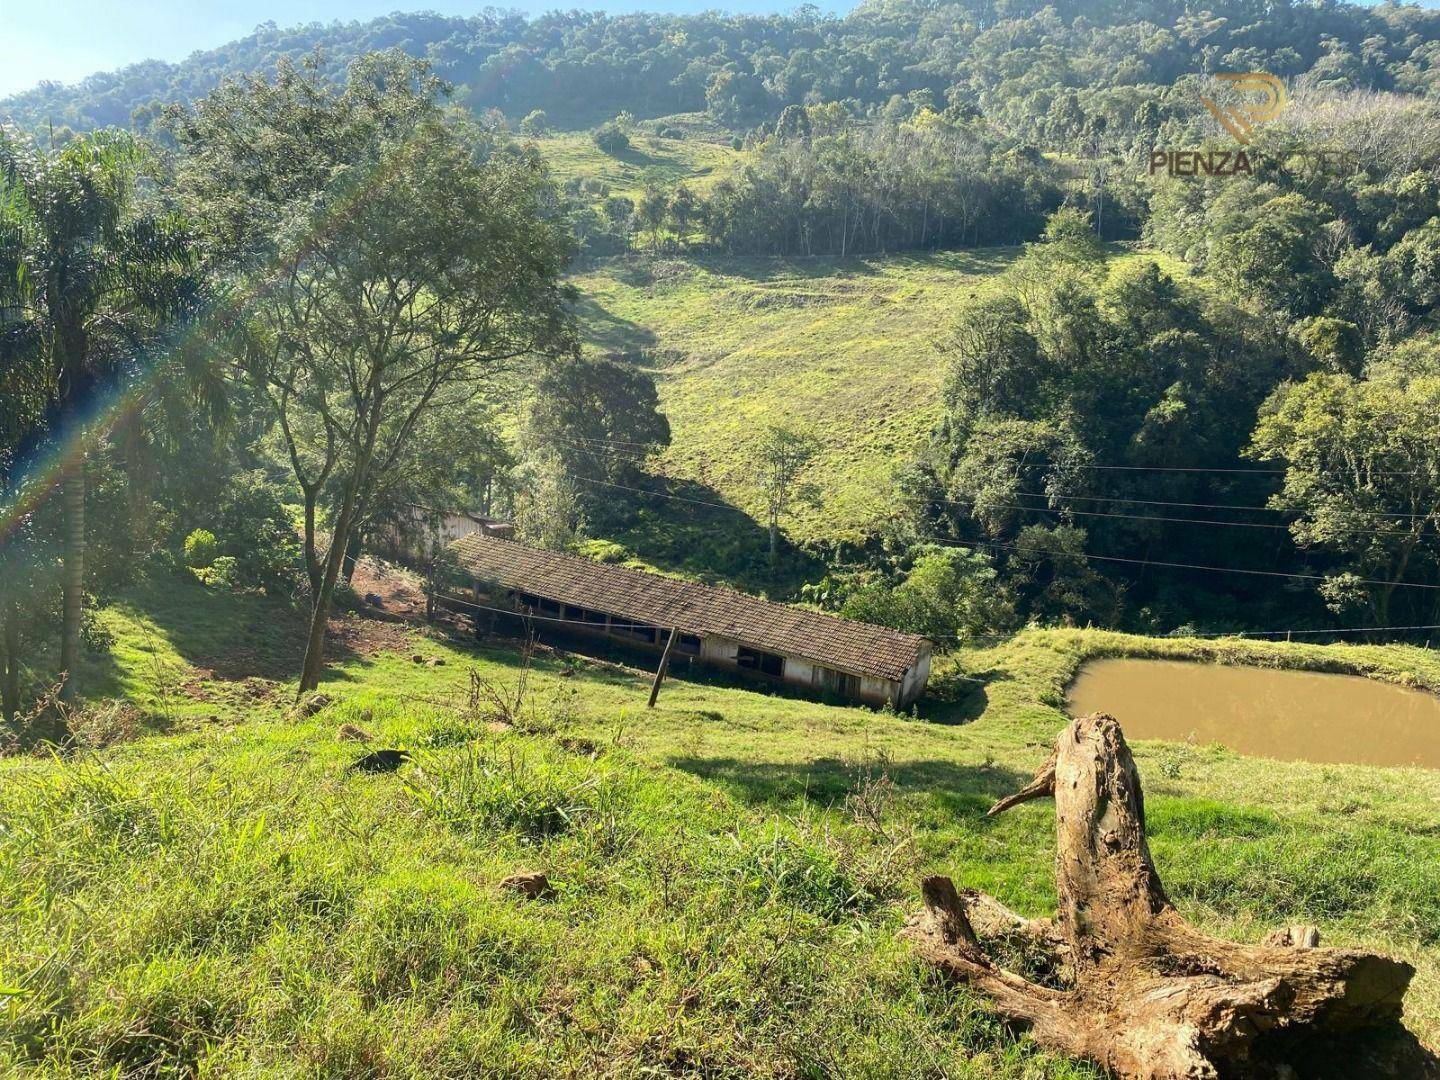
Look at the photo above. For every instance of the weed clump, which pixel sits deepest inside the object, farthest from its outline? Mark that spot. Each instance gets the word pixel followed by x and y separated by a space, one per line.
pixel 490 789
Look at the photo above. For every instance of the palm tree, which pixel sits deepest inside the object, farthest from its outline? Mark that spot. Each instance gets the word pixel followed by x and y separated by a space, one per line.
pixel 95 271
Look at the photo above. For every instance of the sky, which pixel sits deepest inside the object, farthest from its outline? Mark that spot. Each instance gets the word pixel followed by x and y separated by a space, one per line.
pixel 65 40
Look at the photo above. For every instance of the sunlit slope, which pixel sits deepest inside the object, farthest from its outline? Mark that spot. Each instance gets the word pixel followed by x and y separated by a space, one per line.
pixel 847 348
pixel 697 160
pixel 844 347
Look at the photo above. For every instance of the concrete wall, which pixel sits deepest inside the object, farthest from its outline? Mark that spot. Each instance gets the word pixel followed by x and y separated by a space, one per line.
pixel 913 685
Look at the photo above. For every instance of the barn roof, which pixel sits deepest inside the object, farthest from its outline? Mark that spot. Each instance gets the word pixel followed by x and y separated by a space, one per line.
pixel 853 647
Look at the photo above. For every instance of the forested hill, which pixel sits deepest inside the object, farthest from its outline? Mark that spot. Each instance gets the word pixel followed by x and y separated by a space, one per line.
pixel 1024 63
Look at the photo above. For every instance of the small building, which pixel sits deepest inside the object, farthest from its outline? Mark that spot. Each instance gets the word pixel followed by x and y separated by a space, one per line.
pixel 722 628
pixel 422 529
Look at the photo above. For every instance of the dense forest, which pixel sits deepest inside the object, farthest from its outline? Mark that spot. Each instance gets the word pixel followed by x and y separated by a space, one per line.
pixel 1036 70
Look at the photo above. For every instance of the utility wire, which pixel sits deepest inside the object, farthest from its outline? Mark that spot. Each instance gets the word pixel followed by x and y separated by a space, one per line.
pixel 965 504
pixel 978 545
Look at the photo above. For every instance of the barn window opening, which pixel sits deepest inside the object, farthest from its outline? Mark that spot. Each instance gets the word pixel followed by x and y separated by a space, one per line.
pixel 548 607
pixel 639 631
pixel 764 662
pixel 688 643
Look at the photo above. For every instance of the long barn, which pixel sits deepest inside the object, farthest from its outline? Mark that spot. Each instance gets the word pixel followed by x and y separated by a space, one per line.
pixel 723 628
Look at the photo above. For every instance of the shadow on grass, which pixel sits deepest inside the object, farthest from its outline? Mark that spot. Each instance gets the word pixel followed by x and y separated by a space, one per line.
pixel 232 636
pixel 689 528
pixel 963 791
pixel 609 331
pixel 953 698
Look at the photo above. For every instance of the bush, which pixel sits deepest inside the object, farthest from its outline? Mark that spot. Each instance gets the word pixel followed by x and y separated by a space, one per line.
pixel 947 595
pixel 535 123
pixel 611 139
pixel 257 531
pixel 223 573
pixel 201 548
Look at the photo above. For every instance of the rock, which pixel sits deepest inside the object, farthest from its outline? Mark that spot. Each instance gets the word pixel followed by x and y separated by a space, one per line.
pixel 435 661
pixel 352 733
pixel 530 884
pixel 417 659
pixel 374 599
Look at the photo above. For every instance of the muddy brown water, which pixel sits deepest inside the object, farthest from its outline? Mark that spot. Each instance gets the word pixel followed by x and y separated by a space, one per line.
pixel 1291 715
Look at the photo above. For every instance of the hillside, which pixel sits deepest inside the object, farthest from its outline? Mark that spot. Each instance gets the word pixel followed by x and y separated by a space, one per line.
pixel 730 868
pixel 584 67
pixel 845 348
pixel 698 160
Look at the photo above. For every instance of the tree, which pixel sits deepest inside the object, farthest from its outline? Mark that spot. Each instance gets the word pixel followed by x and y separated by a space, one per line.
pixel 783 454
pixel 597 420
pixel 1362 471
pixel 949 595
pixel 611 139
pixel 535 123
pixel 401 276
pixel 94 271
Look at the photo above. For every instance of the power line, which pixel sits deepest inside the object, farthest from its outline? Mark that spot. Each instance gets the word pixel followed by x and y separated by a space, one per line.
pixel 527 616
pixel 1275 633
pixel 1173 520
pixel 1042 551
pixel 1212 469
pixel 1170 565
pixel 644 491
pixel 638 458
pixel 1201 506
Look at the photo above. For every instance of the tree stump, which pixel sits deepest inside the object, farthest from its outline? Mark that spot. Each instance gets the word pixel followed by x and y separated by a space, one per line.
pixel 1127 983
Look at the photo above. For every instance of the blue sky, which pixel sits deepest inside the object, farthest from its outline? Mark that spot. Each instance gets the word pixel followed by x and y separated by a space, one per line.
pixel 66 40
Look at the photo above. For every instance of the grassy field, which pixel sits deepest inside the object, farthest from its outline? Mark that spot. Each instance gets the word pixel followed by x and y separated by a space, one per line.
pixel 846 348
pixel 730 869
pixel 696 161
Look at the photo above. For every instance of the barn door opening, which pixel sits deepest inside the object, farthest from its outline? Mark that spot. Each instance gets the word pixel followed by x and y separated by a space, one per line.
pixel 840 684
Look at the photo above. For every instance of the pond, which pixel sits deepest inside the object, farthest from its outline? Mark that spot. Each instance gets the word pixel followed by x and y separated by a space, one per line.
pixel 1291 715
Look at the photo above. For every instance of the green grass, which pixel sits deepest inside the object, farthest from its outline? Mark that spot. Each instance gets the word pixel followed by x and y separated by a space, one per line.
pixel 696 161
pixel 229 899
pixel 846 348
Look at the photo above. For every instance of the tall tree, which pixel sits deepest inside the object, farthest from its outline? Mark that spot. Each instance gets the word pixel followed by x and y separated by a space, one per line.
pixel 412 256
pixel 95 271
pixel 1362 471
pixel 780 462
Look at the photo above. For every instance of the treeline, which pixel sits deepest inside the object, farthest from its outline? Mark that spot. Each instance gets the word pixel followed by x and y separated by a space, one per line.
pixel 1034 69
pixel 889 187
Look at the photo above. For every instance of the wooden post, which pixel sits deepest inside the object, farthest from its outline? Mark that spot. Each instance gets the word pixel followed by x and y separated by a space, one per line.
pixel 664 663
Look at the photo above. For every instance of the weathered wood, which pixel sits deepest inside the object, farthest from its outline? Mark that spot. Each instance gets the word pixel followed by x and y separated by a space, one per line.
pixel 1137 989
pixel 660 671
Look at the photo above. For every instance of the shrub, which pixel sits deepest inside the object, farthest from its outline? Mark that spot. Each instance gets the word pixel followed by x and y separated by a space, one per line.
pixel 258 533
pixel 604 551
pixel 535 123
pixel 947 595
pixel 611 139
pixel 486 791
pixel 201 548
pixel 223 573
